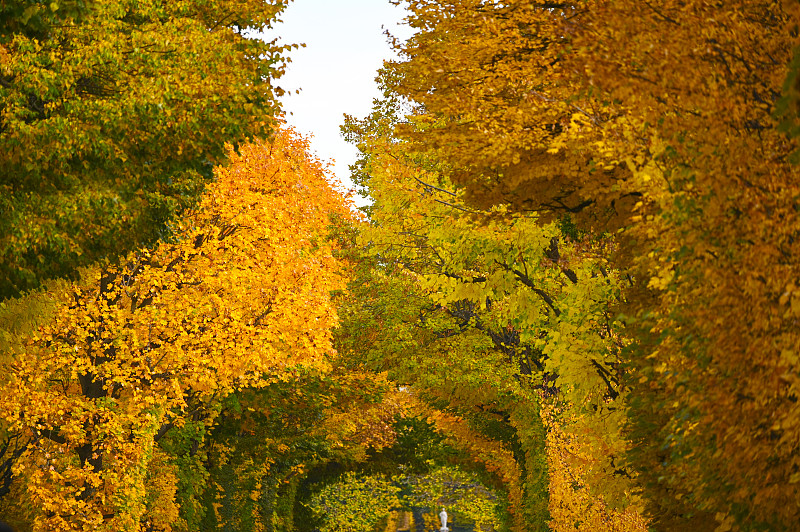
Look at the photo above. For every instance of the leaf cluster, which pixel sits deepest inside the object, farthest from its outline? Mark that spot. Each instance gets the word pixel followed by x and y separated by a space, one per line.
pixel 112 117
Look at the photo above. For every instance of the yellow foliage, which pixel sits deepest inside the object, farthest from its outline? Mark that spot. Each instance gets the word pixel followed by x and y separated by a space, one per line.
pixel 575 503
pixel 161 484
pixel 660 121
pixel 241 296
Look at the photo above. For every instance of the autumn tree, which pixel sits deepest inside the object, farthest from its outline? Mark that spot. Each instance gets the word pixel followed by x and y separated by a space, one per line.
pixel 676 123
pixel 716 247
pixel 240 297
pixel 267 441
pixel 112 117
pixel 487 312
pixel 19 318
pixel 499 105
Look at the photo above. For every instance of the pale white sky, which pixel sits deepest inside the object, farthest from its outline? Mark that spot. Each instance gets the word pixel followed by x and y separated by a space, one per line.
pixel 345 46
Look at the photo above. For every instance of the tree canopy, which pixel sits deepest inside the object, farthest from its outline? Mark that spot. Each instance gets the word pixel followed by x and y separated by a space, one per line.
pixel 671 126
pixel 112 117
pixel 240 298
pixel 571 304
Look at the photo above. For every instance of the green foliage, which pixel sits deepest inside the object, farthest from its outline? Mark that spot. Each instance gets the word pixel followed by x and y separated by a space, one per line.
pixel 462 494
pixel 35 17
pixel 354 503
pixel 113 115
pixel 417 448
pixel 787 108
pixel 532 436
pixel 184 446
pixel 20 316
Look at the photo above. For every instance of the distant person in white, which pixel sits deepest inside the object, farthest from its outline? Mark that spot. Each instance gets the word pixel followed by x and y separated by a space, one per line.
pixel 443 517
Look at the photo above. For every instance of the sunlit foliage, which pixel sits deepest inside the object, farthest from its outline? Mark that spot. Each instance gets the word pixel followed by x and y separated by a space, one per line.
pixel 355 503
pixel 240 297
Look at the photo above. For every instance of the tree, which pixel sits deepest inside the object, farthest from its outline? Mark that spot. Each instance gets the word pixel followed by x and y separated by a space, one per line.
pixel 674 123
pixel 484 312
pixel 463 494
pixel 715 260
pixel 498 103
pixel 267 441
pixel 354 503
pixel 112 117
pixel 240 297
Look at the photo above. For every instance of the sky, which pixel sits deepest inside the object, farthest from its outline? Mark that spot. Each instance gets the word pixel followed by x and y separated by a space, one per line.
pixel 335 72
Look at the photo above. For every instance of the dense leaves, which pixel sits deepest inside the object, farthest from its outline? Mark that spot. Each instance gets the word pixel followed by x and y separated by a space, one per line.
pixel 354 503
pixel 112 117
pixel 659 119
pixel 240 297
pixel 485 313
pixel 573 303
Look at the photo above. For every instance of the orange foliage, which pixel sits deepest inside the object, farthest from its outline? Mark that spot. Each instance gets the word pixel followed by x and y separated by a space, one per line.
pixel 657 118
pixel 358 424
pixel 241 295
pixel 491 453
pixel 574 501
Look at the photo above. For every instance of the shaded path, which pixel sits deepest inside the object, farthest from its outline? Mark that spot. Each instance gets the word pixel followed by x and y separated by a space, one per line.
pixel 419 524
